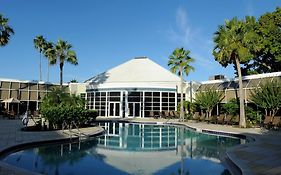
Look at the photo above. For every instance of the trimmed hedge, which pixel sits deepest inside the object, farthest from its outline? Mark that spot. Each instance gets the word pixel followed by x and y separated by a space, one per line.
pixel 58 114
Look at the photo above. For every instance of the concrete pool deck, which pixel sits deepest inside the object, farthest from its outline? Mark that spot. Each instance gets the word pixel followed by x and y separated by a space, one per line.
pixel 262 157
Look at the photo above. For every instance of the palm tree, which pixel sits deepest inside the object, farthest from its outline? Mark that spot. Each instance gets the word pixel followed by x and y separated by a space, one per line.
pixel 232 47
pixel 39 44
pixel 48 52
pixel 179 62
pixel 60 53
pixel 5 31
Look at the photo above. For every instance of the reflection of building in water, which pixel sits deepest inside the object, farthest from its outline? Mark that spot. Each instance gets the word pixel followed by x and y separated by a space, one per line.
pixel 125 138
pixel 148 149
pixel 138 136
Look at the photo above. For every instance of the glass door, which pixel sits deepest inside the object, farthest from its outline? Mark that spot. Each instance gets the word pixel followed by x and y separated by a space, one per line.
pixel 134 109
pixel 114 109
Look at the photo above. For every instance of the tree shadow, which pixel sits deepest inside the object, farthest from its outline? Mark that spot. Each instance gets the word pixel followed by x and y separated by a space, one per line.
pixel 95 81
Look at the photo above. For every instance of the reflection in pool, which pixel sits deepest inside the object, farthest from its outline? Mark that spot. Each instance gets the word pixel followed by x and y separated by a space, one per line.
pixel 129 148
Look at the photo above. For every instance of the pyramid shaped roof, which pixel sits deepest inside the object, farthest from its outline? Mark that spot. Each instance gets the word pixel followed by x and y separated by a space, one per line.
pixel 140 70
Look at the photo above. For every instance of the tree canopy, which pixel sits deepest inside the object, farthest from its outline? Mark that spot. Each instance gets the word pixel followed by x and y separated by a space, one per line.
pixel 268 97
pixel 208 99
pixel 266 49
pixel 5 31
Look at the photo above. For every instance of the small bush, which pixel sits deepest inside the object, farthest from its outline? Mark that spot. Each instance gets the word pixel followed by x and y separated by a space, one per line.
pixel 253 117
pixel 59 114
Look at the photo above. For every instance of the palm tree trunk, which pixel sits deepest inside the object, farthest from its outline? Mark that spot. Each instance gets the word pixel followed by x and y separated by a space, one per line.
pixel 181 107
pixel 61 70
pixel 48 71
pixel 40 69
pixel 242 120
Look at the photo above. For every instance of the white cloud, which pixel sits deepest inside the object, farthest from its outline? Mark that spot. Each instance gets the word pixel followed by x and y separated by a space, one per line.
pixel 190 37
pixel 181 33
pixel 250 9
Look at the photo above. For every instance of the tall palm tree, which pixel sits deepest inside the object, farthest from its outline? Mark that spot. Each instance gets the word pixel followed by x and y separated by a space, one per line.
pixel 179 62
pixel 60 53
pixel 48 52
pixel 39 44
pixel 232 47
pixel 5 31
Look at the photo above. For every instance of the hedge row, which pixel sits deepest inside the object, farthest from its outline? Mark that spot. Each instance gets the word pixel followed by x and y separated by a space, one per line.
pixel 58 115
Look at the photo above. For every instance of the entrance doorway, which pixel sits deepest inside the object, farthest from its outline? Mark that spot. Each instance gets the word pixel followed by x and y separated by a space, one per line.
pixel 134 109
pixel 114 109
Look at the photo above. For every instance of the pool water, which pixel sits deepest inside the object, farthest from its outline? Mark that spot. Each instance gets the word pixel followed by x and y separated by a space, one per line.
pixel 129 148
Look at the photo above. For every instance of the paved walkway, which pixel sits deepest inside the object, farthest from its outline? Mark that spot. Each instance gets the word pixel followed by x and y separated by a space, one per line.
pixel 11 135
pixel 262 157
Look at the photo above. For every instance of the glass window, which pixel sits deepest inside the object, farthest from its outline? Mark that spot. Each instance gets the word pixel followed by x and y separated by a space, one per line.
pixel 156 104
pixel 114 94
pixel 148 93
pixel 156 94
pixel 156 99
pixel 171 94
pixel 114 98
pixel 164 94
pixel 148 99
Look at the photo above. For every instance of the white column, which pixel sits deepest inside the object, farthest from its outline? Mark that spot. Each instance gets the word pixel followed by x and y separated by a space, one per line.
pixel 143 104
pixel 176 101
pixel 160 102
pixel 106 110
pixel 86 99
pixel 121 105
pixel 126 104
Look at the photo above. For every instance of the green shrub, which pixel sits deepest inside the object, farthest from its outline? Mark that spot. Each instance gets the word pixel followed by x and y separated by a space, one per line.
pixel 56 115
pixel 253 117
pixel 58 106
pixel 231 107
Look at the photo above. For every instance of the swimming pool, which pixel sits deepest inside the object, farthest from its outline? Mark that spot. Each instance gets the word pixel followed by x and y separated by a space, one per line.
pixel 131 148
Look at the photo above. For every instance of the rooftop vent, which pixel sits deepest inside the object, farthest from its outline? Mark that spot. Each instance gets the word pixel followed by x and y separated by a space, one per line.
pixel 217 77
pixel 143 57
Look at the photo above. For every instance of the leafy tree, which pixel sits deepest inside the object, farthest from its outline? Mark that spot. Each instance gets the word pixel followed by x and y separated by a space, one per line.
pixel 208 99
pixel 58 106
pixel 268 97
pixel 232 41
pixel 39 44
pixel 179 62
pixel 60 53
pixel 267 48
pixel 5 31
pixel 59 97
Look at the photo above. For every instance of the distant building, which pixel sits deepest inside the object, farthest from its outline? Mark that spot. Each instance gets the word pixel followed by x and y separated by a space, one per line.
pixel 230 87
pixel 29 93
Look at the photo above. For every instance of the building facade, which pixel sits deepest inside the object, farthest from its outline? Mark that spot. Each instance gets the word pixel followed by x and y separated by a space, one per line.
pixel 29 93
pixel 132 89
pixel 230 87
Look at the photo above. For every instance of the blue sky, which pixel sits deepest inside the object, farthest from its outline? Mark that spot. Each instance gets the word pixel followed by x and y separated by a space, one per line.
pixel 106 33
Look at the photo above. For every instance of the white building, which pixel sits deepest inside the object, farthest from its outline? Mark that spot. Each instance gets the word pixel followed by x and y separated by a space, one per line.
pixel 131 89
